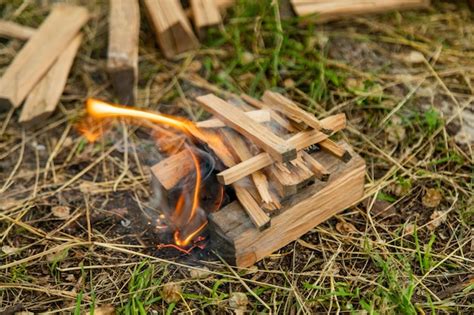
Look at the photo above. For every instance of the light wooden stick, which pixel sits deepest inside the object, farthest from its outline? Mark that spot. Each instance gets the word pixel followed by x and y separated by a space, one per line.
pixel 171 27
pixel 327 10
pixel 40 52
pixel 278 148
pixel 205 14
pixel 290 109
pixel 13 30
pixel 259 218
pixel 43 99
pixel 172 169
pixel 259 116
pixel 335 149
pixel 317 168
pixel 122 54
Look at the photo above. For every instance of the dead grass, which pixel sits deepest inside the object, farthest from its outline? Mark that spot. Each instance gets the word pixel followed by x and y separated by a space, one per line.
pixel 405 82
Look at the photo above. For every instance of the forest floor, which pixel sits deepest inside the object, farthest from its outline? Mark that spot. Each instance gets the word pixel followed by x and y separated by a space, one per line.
pixel 69 236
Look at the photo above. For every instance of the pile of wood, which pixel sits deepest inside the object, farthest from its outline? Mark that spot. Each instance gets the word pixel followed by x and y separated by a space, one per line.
pixel 326 10
pixel 38 73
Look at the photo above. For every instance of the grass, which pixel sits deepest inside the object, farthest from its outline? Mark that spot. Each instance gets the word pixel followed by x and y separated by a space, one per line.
pixel 404 118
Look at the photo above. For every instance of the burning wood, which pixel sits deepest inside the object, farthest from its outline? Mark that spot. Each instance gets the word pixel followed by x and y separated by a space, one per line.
pixel 25 72
pixel 122 54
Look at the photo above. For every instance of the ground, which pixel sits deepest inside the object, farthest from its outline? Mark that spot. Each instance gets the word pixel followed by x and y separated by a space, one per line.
pixel 68 220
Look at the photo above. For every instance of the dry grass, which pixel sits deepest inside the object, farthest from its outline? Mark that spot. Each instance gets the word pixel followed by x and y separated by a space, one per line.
pixel 406 248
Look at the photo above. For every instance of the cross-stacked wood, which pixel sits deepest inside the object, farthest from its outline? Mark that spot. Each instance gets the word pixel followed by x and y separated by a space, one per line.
pixel 266 150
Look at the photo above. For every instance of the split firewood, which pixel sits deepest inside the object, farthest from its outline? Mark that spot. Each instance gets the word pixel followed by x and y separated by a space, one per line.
pixel 288 184
pixel 44 97
pixel 40 52
pixel 235 118
pixel 275 116
pixel 258 116
pixel 122 54
pixel 301 140
pixel 258 217
pixel 317 168
pixel 292 111
pixel 13 30
pixel 171 27
pixel 241 150
pixel 326 10
pixel 335 149
pixel 171 170
pixel 335 122
pixel 205 14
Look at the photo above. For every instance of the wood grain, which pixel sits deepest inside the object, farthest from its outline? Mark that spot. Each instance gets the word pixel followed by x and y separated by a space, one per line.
pixel 14 30
pixel 205 14
pixel 122 53
pixel 259 116
pixel 43 99
pixel 40 52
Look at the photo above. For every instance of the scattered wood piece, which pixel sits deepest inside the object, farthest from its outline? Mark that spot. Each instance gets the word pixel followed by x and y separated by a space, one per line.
pixel 14 30
pixel 259 116
pixel 44 97
pixel 244 168
pixel 317 168
pixel 326 10
pixel 290 109
pixel 205 14
pixel 171 27
pixel 241 150
pixel 122 54
pixel 259 218
pixel 335 149
pixel 288 184
pixel 241 244
pixel 334 122
pixel 275 116
pixel 260 135
pixel 40 52
pixel 171 170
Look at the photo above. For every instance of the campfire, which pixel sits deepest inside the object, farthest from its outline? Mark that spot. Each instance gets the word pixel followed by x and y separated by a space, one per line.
pixel 274 161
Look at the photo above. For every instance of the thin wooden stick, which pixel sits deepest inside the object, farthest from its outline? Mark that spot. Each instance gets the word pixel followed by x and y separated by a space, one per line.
pixel 335 149
pixel 259 116
pixel 13 30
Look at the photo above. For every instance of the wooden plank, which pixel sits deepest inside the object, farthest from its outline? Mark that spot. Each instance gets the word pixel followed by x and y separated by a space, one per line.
pixel 171 170
pixel 43 99
pixel 40 52
pixel 260 135
pixel 275 116
pixel 122 53
pixel 335 149
pixel 291 110
pixel 14 30
pixel 235 238
pixel 171 26
pixel 259 116
pixel 326 10
pixel 205 14
pixel 300 141
pixel 240 147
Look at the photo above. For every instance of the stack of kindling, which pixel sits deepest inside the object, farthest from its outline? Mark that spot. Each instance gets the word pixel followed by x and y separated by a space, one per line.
pixel 39 71
pixel 268 145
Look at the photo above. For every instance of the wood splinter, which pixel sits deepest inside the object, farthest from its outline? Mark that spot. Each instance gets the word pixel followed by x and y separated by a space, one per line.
pixel 205 14
pixel 259 116
pixel 336 150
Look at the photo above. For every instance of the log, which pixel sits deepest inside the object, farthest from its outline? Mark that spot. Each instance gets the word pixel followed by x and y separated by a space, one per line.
pixel 335 149
pixel 291 110
pixel 259 116
pixel 171 26
pixel 205 14
pixel 40 52
pixel 43 99
pixel 300 141
pixel 236 239
pixel 122 53
pixel 13 30
pixel 278 148
pixel 327 10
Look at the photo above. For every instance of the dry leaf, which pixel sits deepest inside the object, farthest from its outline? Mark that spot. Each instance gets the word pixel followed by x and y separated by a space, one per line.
pixel 437 218
pixel 199 273
pixel 238 300
pixel 8 203
pixel 345 228
pixel 395 131
pixel 432 198
pixel 289 83
pixel 414 57
pixel 409 228
pixel 171 292
pixel 247 57
pixel 9 250
pixel 61 212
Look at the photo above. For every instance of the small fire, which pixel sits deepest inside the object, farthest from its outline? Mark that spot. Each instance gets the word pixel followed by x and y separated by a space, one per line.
pixel 187 222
